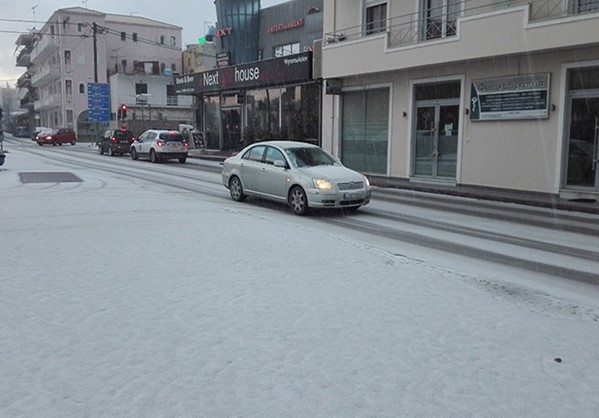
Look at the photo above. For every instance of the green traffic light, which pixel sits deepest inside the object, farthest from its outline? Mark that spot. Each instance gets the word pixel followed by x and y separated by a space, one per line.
pixel 202 40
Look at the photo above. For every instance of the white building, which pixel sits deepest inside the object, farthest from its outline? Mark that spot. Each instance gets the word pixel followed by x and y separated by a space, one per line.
pixel 486 95
pixel 78 46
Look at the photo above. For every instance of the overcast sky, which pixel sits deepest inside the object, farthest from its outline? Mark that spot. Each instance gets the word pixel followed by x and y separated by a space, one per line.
pixel 18 16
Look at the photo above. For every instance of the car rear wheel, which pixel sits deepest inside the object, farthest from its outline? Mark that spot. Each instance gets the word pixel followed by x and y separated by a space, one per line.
pixel 154 157
pixel 110 152
pixel 236 189
pixel 298 202
pixel 182 160
pixel 100 150
pixel 73 142
pixel 134 155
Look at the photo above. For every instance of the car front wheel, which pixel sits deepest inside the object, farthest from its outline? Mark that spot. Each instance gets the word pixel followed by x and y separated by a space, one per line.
pixel 154 157
pixel 236 189
pixel 298 202
pixel 134 155
pixel 100 150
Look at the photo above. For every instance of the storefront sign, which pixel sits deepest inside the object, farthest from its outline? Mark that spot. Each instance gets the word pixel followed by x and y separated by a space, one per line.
pixel 222 60
pixel 272 72
pixel 223 31
pixel 524 97
pixel 297 23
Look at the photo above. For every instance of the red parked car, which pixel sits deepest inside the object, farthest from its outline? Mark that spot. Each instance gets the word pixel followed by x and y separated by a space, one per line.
pixel 57 137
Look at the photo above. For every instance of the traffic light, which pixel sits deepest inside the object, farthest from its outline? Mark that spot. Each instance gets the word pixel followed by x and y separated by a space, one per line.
pixel 123 112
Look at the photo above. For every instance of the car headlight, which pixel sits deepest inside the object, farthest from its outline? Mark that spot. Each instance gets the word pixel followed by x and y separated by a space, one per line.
pixel 366 181
pixel 322 184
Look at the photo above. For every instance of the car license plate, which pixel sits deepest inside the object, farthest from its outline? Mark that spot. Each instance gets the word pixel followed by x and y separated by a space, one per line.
pixel 353 195
pixel 174 145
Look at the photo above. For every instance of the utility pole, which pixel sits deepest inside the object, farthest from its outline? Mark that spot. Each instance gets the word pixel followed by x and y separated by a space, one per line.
pixel 95 30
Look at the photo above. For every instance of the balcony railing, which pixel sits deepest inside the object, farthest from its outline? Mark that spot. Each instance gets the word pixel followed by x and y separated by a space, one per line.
pixel 51 100
pixel 441 22
pixel 45 46
pixel 46 74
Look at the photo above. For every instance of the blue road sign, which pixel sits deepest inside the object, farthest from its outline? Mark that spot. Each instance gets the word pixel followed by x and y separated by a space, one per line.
pixel 98 102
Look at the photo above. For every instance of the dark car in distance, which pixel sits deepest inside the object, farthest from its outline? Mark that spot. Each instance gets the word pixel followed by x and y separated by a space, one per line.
pixel 22 132
pixel 57 137
pixel 116 142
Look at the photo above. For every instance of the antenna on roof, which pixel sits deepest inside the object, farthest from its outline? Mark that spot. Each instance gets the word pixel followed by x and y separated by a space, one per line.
pixel 33 10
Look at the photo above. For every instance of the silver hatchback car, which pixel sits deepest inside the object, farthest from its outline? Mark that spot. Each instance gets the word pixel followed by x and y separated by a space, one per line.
pixel 300 174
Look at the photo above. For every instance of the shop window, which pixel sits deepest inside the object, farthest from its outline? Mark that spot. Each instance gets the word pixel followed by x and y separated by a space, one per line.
pixel 365 130
pixel 375 16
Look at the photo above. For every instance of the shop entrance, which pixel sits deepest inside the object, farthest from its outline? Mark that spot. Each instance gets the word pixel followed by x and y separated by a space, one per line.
pixel 231 128
pixel 436 130
pixel 583 142
pixel 436 139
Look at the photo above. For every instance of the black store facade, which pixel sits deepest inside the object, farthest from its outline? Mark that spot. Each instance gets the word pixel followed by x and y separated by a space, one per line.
pixel 269 99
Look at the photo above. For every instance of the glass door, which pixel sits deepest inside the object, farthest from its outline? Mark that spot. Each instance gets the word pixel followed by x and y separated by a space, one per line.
pixel 436 140
pixel 231 128
pixel 583 143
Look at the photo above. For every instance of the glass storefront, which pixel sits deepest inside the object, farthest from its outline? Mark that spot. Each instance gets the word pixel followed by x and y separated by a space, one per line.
pixel 365 130
pixel 583 132
pixel 212 122
pixel 283 113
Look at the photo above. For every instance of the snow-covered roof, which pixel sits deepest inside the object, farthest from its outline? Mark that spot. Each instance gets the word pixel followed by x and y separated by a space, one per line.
pixel 138 20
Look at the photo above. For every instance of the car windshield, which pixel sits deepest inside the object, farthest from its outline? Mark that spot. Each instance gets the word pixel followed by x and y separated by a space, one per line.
pixel 171 136
pixel 309 156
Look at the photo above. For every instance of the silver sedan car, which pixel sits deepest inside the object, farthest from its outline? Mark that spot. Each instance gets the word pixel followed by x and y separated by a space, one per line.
pixel 300 174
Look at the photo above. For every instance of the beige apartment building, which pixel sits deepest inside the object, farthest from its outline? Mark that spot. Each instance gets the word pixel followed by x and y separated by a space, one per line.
pixel 485 94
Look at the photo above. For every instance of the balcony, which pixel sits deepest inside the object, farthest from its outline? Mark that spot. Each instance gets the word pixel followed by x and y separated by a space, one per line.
pixel 24 58
pixel 49 101
pixel 44 48
pixel 24 81
pixel 460 31
pixel 45 74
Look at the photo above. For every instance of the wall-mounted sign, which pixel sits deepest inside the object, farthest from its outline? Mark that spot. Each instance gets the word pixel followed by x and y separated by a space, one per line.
pixel 286 26
pixel 223 31
pixel 522 97
pixel 222 59
pixel 272 72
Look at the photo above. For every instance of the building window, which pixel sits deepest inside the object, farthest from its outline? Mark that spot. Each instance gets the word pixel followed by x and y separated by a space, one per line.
pixel 288 49
pixel 174 67
pixel 67 61
pixel 375 17
pixel 123 36
pixel 79 27
pixel 81 88
pixel 173 41
pixel 141 88
pixel 439 18
pixel 124 66
pixel 134 37
pixel 160 39
pixel 365 130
